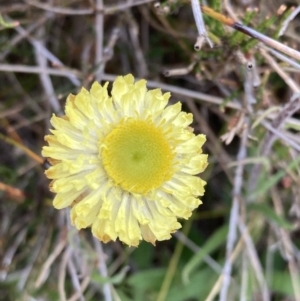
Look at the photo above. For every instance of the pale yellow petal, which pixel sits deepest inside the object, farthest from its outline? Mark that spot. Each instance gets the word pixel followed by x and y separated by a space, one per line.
pixel 134 98
pixel 192 145
pixel 85 212
pixel 83 102
pixel 99 92
pixel 104 226
pixel 57 171
pixel 102 104
pixel 121 86
pixel 64 125
pixel 147 234
pixel 97 178
pixel 65 199
pixel 183 120
pixel 171 112
pixel 186 184
pixel 126 224
pixel 106 209
pixel 155 101
pixel 196 164
pixel 80 144
pixel 161 225
pixel 76 118
pixel 180 204
pixel 103 230
pixel 72 182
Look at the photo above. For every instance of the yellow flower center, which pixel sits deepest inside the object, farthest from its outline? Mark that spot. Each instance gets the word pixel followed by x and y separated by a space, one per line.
pixel 137 156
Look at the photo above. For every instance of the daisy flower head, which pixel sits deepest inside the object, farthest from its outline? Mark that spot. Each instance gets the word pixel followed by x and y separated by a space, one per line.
pixel 126 164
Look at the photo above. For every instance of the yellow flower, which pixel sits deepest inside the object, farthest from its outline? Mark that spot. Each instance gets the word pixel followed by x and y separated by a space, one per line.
pixel 126 164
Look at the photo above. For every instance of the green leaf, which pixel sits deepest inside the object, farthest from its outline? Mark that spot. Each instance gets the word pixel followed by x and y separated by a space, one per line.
pixel 217 239
pixel 282 283
pixel 116 279
pixel 198 287
pixel 143 255
pixel 237 37
pixel 146 284
pixel 121 295
pixel 271 215
pixel 147 279
pixel 262 27
pixel 266 184
pixel 283 18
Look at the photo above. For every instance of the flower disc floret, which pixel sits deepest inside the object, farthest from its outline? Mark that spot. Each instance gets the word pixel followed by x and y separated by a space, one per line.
pixel 137 156
pixel 126 164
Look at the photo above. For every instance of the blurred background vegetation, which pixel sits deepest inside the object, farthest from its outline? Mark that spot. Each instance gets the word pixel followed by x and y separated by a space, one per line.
pixel 243 242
